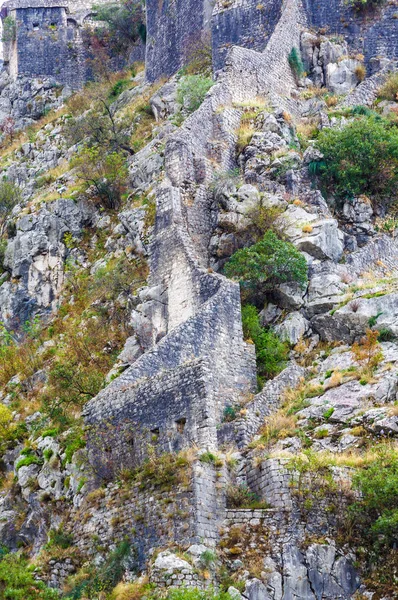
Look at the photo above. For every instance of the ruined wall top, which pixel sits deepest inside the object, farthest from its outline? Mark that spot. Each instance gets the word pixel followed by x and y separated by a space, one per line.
pixel 73 6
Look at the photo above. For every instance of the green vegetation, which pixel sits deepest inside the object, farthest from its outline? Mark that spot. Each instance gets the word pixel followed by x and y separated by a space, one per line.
pixel 29 459
pixel 107 173
pixel 377 508
pixel 9 30
pixel 57 538
pixel 17 581
pixel 123 23
pixel 239 496
pixel 389 91
pixel 196 594
pixel 10 196
pixel 192 90
pixel 267 263
pixel 163 471
pixel 92 580
pixel 296 64
pixel 360 158
pixel 271 353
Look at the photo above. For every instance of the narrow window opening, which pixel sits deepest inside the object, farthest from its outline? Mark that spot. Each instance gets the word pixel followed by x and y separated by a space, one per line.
pixel 155 434
pixel 180 423
pixel 36 26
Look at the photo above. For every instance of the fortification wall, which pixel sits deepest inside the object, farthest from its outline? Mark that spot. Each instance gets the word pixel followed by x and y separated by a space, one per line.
pixel 173 27
pixel 249 24
pixel 199 317
pixel 373 32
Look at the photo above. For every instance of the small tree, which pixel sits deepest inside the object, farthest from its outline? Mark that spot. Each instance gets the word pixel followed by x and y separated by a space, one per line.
pixel 192 90
pixel 360 158
pixel 10 196
pixel 106 173
pixel 9 30
pixel 271 353
pixel 123 23
pixel 267 263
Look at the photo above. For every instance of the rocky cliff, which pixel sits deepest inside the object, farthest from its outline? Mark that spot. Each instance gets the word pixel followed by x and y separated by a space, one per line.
pixel 166 430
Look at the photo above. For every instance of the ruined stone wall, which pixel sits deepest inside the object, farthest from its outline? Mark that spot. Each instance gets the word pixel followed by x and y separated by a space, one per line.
pixel 196 314
pixel 49 40
pixel 373 32
pixel 249 24
pixel 173 27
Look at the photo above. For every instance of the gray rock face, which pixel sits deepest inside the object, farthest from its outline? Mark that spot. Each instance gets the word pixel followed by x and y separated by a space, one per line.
pixel 35 258
pixel 293 328
pixel 350 322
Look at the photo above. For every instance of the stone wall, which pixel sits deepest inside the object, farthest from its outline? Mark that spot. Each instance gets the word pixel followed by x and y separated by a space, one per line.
pixel 249 24
pixel 371 32
pixel 49 39
pixel 195 314
pixel 173 27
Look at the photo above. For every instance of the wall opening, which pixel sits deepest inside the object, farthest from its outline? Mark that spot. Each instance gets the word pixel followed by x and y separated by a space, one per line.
pixel 180 424
pixel 36 26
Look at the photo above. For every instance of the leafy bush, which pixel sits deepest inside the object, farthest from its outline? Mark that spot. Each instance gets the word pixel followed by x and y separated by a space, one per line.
pixel 389 91
pixel 10 196
pixel 124 23
pixel 271 353
pixel 192 90
pixel 31 459
pixel 196 594
pixel 59 539
pixel 106 173
pixel 162 471
pixel 267 263
pixel 296 64
pixel 239 496
pixel 9 30
pixel 104 578
pixel 17 581
pixel 360 158
pixel 377 508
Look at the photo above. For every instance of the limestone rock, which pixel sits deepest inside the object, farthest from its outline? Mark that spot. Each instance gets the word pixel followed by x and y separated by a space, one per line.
pixel 293 328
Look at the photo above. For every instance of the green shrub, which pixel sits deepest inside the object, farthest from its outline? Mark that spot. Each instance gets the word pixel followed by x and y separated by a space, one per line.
pixel 17 581
pixel 267 263
pixel 239 496
pixel 196 594
pixel 10 196
pixel 360 158
pixel 229 414
pixel 389 91
pixel 9 30
pixel 296 64
pixel 210 459
pixel 57 538
pixel 192 90
pixel 124 23
pixel 32 459
pixel 104 578
pixel 106 173
pixel 377 510
pixel 271 353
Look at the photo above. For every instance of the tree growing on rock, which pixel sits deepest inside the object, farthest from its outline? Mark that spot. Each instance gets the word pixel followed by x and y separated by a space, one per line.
pixel 105 173
pixel 359 159
pixel 10 196
pixel 267 263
